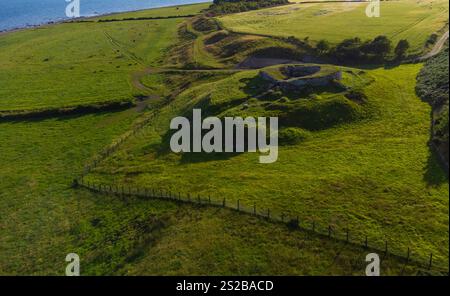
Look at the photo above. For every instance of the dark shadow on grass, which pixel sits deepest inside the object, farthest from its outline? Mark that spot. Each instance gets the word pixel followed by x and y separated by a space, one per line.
pixel 205 157
pixel 66 113
pixel 434 173
pixel 164 148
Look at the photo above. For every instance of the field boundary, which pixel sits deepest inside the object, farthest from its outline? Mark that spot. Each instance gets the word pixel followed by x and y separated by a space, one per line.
pixel 343 235
pixel 144 18
pixel 293 222
pixel 13 115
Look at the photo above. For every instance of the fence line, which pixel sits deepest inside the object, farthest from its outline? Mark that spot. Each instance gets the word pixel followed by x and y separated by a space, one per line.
pixel 294 222
pixel 110 149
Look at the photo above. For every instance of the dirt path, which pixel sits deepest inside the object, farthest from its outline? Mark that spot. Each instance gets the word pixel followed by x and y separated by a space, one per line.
pixel 257 63
pixel 436 48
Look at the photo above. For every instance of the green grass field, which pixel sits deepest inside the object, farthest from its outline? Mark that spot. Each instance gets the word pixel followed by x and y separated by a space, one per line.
pixel 363 164
pixel 334 22
pixel 38 207
pixel 376 176
pixel 42 219
pixel 180 10
pixel 81 63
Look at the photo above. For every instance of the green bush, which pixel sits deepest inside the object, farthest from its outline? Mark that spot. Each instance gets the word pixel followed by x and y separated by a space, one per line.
pixel 432 86
pixel 401 48
pixel 432 81
pixel 234 6
pixel 292 136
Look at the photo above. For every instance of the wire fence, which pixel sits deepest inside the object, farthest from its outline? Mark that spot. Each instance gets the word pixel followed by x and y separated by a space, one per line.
pixel 345 235
pixel 110 149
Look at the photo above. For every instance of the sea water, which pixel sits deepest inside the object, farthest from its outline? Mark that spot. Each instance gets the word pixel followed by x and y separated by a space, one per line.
pixel 24 13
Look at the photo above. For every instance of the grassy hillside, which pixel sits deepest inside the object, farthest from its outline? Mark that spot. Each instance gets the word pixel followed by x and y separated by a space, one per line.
pixel 180 10
pixel 37 206
pixel 376 176
pixel 334 22
pixel 42 219
pixel 353 154
pixel 81 63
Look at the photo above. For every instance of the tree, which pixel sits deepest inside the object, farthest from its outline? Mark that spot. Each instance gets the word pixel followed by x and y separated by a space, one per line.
pixel 349 50
pixel 401 48
pixel 380 46
pixel 323 46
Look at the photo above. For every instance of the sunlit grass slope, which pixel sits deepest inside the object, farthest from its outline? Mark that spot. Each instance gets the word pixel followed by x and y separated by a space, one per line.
pixel 376 176
pixel 179 10
pixel 81 63
pixel 405 19
pixel 42 218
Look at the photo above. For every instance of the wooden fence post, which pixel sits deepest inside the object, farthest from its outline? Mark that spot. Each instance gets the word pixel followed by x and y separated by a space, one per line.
pixel 431 259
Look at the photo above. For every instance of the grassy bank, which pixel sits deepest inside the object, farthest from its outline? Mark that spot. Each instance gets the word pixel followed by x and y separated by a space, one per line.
pixel 334 22
pixel 73 64
pixel 376 176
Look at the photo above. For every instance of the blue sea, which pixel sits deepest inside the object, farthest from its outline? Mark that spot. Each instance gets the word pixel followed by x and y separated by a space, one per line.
pixel 24 13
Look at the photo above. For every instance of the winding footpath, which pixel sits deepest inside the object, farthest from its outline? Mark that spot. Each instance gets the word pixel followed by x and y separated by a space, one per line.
pixel 436 48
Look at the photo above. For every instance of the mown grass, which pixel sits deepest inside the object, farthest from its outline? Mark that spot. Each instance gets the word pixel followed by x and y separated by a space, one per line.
pixel 377 176
pixel 334 22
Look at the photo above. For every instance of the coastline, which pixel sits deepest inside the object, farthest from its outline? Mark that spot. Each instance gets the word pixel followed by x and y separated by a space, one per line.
pixel 87 18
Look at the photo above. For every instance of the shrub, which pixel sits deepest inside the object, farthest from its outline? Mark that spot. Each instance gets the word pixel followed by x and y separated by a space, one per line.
pixel 401 48
pixel 234 6
pixel 432 39
pixel 379 46
pixel 292 136
pixel 354 50
pixel 432 86
pixel 323 46
pixel 349 49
